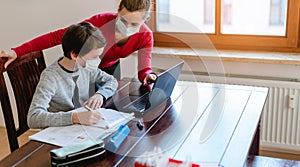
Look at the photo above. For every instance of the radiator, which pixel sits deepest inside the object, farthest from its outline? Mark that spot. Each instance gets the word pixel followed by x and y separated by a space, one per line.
pixel 280 123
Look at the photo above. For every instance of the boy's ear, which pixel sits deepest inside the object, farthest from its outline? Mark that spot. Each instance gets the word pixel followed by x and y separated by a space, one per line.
pixel 73 55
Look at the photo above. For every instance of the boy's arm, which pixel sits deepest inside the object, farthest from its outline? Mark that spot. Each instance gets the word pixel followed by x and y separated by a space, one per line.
pixel 38 115
pixel 108 84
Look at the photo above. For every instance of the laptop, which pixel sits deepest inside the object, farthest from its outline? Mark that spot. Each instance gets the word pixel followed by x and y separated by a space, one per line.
pixel 161 90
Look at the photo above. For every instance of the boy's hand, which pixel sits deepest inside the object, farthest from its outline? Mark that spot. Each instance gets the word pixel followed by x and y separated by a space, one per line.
pixel 11 55
pixel 86 117
pixel 94 102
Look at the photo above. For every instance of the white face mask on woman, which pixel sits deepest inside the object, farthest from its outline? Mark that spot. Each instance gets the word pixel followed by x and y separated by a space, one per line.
pixel 124 30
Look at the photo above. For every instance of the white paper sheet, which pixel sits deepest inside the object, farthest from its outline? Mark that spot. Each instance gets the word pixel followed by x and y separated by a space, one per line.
pixel 112 118
pixel 74 134
pixel 69 135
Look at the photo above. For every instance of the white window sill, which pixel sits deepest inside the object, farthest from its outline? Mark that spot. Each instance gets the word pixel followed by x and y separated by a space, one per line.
pixel 233 56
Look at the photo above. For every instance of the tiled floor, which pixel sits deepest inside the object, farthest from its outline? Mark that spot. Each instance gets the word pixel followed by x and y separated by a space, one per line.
pixel 4 146
pixel 280 155
pixel 262 161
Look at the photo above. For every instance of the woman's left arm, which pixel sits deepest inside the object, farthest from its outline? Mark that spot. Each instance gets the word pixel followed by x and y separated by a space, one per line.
pixel 145 73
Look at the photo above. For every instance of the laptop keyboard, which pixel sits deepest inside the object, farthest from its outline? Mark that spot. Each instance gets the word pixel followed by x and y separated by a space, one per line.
pixel 139 104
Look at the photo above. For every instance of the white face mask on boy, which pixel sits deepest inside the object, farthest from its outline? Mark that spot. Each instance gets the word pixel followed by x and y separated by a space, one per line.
pixel 124 30
pixel 91 65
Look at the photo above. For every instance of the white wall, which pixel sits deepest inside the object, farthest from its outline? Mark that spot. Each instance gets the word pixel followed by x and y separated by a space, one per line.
pixel 24 20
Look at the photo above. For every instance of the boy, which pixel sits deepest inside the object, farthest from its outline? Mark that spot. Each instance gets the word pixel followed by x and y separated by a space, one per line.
pixel 70 81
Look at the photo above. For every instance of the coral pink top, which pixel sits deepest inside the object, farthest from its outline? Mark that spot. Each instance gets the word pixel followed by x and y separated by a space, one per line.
pixel 141 42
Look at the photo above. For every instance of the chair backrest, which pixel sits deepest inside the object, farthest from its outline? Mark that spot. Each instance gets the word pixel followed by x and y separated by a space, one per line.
pixel 23 74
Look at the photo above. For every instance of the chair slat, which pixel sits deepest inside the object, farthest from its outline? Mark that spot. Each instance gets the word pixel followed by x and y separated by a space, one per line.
pixel 24 74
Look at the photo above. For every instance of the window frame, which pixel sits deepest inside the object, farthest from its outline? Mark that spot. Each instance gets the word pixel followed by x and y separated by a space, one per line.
pixel 290 42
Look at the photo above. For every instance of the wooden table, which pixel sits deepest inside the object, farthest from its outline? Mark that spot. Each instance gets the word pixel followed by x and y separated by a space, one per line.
pixel 204 122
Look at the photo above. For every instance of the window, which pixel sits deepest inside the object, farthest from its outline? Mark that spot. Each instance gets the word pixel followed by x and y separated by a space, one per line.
pixel 186 16
pixel 277 12
pixel 228 24
pixel 254 17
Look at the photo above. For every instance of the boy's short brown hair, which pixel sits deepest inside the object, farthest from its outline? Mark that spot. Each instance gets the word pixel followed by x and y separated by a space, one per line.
pixel 82 38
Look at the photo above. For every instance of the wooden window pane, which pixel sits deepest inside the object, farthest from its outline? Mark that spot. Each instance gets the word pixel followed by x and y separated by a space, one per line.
pixel 281 19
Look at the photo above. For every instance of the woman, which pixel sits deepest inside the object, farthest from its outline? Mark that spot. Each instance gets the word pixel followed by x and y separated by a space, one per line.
pixel 125 32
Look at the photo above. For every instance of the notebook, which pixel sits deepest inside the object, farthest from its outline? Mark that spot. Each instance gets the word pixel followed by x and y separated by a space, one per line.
pixel 112 118
pixel 161 90
pixel 76 134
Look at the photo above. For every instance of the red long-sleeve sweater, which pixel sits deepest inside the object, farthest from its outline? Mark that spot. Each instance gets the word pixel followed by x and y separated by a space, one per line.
pixel 141 42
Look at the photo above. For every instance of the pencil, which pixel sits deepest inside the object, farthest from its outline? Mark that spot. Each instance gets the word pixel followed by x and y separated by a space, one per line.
pixel 88 108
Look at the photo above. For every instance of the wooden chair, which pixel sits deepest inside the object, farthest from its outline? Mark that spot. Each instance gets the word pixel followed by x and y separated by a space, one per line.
pixel 23 74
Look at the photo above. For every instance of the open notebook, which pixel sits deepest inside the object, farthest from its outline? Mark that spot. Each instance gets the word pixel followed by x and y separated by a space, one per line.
pixel 74 134
pixel 112 118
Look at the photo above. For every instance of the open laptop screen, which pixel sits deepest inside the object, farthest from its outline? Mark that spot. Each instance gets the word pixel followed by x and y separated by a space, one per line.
pixel 163 86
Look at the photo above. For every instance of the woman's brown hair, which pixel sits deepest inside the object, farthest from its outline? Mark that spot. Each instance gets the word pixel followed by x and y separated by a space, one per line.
pixel 136 5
